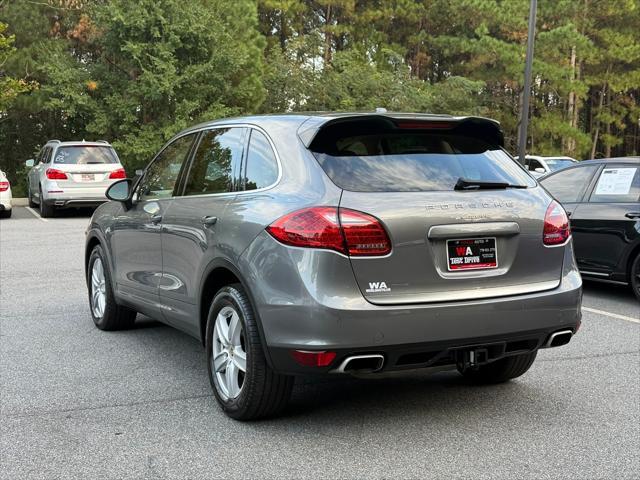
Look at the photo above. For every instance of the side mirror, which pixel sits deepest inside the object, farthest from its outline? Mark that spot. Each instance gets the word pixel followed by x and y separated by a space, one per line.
pixel 539 170
pixel 30 163
pixel 120 191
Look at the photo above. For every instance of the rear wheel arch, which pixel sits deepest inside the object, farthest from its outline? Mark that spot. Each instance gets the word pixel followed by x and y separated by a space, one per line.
pixel 633 253
pixel 221 273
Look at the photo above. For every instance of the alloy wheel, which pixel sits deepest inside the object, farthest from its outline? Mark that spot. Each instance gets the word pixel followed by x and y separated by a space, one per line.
pixel 98 288
pixel 229 358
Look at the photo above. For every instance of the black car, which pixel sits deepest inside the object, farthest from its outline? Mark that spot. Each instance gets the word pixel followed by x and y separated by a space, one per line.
pixel 602 198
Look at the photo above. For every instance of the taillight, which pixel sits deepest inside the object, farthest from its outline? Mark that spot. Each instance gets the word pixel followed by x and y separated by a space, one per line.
pixel 119 173
pixel 349 232
pixel 556 229
pixel 4 186
pixel 54 174
pixel 364 234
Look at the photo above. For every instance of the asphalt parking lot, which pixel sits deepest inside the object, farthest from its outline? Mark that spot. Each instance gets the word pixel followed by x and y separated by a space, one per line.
pixel 80 403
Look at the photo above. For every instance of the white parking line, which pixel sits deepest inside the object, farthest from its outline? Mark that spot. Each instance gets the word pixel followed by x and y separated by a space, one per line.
pixel 33 212
pixel 612 315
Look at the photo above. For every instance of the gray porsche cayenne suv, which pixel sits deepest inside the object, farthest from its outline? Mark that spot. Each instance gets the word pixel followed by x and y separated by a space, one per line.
pixel 338 243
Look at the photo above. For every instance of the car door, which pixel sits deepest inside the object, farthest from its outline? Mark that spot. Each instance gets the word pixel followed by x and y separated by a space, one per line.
pixel 135 239
pixel 606 224
pixel 195 230
pixel 569 186
pixel 38 170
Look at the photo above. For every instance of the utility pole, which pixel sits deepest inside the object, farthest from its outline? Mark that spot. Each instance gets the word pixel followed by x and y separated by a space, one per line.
pixel 526 94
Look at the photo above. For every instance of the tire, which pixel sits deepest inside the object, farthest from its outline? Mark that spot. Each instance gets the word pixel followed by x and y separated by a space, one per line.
pixel 46 211
pixel 501 370
pixel 634 276
pixel 32 204
pixel 107 315
pixel 261 392
pixel 5 214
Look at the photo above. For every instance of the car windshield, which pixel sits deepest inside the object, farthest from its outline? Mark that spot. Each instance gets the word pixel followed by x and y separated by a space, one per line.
pixel 417 161
pixel 83 155
pixel 556 164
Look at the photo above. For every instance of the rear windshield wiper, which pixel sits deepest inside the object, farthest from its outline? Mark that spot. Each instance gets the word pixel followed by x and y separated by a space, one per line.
pixel 465 184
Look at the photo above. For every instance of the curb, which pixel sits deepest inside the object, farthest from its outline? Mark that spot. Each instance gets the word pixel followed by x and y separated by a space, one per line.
pixel 19 202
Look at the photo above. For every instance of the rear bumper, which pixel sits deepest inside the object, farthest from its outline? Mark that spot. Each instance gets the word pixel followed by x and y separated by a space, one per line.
pixel 5 201
pixel 61 197
pixel 310 303
pixel 63 202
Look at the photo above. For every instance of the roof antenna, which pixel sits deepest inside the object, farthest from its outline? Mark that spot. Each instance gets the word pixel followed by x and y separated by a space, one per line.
pixel 381 110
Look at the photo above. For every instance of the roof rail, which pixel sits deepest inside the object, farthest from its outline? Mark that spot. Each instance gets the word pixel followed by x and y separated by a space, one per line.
pixel 102 141
pixel 55 140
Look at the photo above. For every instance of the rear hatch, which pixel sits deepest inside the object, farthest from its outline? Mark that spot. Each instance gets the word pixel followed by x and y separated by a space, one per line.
pixel 480 239
pixel 86 166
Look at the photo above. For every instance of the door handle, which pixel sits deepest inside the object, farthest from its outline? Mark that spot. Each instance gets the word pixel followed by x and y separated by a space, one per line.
pixel 632 215
pixel 209 221
pixel 156 219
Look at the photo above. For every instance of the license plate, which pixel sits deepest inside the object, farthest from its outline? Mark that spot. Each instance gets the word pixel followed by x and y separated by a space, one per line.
pixel 87 177
pixel 471 254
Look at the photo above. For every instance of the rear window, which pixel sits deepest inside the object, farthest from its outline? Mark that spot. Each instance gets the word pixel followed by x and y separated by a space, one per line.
pixel 556 164
pixel 415 161
pixel 84 155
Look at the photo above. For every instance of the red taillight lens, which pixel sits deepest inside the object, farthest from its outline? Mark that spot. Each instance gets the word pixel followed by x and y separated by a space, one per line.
pixel 119 173
pixel 315 227
pixel 352 233
pixel 556 225
pixel 313 359
pixel 364 234
pixel 53 174
pixel 4 186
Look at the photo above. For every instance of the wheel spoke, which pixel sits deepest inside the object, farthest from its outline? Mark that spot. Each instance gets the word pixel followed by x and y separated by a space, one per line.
pixel 235 329
pixel 219 362
pixel 223 328
pixel 240 359
pixel 231 379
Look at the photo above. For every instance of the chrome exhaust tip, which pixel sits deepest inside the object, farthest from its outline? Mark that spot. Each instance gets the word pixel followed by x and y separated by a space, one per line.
pixel 559 338
pixel 361 363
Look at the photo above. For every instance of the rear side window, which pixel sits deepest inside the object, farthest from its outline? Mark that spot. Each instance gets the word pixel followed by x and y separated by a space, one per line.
pixel 414 161
pixel 620 184
pixel 568 186
pixel 217 157
pixel 262 166
pixel 84 155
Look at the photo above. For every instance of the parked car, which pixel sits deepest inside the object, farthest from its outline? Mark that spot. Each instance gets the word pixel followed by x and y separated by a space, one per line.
pixel 72 174
pixel 5 196
pixel 539 166
pixel 603 199
pixel 337 243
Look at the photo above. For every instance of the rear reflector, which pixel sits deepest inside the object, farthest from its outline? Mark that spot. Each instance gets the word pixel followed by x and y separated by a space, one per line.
pixel 313 359
pixel 119 173
pixel 556 225
pixel 54 174
pixel 4 186
pixel 349 232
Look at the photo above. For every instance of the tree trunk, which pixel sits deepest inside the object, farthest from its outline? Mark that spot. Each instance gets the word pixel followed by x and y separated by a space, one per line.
pixel 571 107
pixel 603 92
pixel 327 37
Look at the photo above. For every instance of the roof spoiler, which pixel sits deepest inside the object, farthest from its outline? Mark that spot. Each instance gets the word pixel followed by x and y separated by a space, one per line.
pixel 476 127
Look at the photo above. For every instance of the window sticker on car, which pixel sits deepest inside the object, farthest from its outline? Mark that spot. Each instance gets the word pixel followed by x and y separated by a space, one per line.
pixel 615 181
